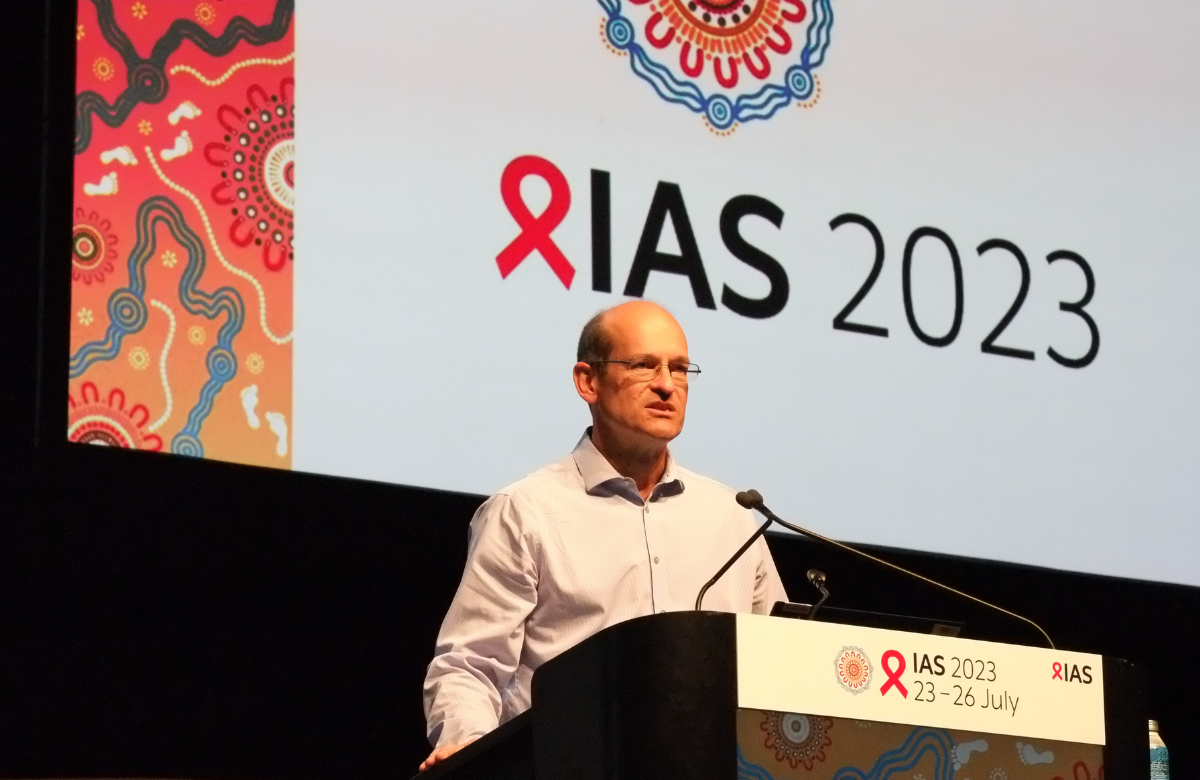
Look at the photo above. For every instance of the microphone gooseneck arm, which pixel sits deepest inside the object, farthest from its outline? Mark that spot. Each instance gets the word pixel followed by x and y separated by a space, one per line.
pixel 741 550
pixel 753 499
pixel 817 578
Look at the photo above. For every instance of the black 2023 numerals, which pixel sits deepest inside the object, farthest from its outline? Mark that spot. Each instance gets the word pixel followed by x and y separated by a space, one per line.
pixel 988 345
pixel 841 321
pixel 1077 308
pixel 906 284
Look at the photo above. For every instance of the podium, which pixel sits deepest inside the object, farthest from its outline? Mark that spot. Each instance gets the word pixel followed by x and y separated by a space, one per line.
pixel 717 696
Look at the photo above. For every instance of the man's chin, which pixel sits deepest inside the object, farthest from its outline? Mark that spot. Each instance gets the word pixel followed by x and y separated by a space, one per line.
pixel 662 428
pixel 646 430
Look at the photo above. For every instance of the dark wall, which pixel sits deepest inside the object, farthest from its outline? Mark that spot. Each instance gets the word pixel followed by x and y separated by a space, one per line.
pixel 167 617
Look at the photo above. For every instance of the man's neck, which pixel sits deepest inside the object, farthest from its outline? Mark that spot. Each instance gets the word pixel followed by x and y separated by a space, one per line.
pixel 645 466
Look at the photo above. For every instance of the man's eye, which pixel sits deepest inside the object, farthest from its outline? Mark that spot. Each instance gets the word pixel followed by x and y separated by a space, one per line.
pixel 643 365
pixel 678 368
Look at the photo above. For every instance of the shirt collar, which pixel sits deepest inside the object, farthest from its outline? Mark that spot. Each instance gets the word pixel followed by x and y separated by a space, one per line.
pixel 597 471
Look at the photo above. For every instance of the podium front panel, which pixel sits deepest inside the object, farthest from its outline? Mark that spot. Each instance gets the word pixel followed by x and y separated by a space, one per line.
pixel 775 745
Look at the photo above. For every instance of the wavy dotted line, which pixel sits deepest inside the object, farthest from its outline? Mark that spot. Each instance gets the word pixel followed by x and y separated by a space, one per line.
pixel 162 364
pixel 604 39
pixel 212 239
pixel 233 69
pixel 816 98
pixel 716 131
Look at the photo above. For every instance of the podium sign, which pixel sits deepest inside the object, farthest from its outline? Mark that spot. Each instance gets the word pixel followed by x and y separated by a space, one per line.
pixel 898 677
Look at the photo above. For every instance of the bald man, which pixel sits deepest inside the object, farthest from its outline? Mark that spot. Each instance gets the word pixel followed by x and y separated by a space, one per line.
pixel 615 530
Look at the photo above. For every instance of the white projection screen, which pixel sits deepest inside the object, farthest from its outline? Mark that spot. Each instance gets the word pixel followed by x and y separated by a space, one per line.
pixel 936 259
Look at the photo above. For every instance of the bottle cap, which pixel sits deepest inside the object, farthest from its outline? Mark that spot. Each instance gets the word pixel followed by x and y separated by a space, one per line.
pixel 1154 725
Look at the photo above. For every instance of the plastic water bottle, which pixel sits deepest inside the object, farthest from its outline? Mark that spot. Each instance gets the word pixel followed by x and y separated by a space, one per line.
pixel 1159 769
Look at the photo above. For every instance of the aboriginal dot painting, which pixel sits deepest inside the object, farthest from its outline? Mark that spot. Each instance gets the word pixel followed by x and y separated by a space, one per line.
pixel 182 240
pixel 794 746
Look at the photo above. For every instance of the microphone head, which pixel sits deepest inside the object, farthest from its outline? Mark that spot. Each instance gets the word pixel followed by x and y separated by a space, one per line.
pixel 816 577
pixel 750 499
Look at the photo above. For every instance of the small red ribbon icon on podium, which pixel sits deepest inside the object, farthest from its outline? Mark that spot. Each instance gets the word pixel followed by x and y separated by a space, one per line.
pixel 1057 669
pixel 893 675
pixel 535 231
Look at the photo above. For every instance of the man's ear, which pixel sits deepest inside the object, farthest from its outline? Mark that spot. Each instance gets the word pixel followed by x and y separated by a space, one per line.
pixel 586 382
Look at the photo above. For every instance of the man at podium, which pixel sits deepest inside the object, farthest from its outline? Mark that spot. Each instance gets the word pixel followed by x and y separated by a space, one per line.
pixel 615 530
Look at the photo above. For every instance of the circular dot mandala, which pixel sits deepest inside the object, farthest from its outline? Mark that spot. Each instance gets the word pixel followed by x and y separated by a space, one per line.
pixel 853 669
pixel 730 61
pixel 257 161
pixel 93 247
pixel 104 420
pixel 797 739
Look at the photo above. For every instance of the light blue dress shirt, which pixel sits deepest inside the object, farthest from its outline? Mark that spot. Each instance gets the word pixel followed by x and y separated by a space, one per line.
pixel 567 551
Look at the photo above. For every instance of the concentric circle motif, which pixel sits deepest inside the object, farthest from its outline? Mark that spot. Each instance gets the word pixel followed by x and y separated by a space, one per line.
pixel 796 739
pixel 103 68
pixel 93 247
pixel 853 669
pixel 728 60
pixel 221 363
pixel 256 157
pixel 279 173
pixel 105 422
pixel 127 311
pixel 186 444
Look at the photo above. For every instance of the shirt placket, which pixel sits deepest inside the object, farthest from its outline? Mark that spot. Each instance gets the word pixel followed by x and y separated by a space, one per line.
pixel 656 552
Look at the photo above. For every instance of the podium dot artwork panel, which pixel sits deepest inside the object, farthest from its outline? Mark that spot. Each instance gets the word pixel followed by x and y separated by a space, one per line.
pixel 795 746
pixel 182 249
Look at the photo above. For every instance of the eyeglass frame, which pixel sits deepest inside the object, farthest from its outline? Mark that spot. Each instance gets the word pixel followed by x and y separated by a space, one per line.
pixel 692 369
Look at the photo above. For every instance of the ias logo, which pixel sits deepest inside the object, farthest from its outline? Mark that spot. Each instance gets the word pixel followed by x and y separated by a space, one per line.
pixel 730 61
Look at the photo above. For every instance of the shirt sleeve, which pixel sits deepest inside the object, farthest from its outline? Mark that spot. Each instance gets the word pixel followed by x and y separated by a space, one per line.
pixel 768 587
pixel 479 645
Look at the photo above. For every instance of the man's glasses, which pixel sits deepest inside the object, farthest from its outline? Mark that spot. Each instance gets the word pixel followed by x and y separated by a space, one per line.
pixel 646 369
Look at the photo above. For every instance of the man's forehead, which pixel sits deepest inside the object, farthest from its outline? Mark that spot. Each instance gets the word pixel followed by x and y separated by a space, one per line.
pixel 660 335
pixel 642 320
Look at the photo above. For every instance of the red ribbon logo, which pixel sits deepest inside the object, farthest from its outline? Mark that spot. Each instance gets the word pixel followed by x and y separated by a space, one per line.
pixel 893 675
pixel 1058 669
pixel 535 231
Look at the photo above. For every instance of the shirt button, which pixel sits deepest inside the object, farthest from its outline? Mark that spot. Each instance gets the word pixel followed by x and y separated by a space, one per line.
pixel 656 559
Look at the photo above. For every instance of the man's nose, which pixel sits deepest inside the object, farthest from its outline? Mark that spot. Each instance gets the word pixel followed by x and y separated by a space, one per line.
pixel 664 383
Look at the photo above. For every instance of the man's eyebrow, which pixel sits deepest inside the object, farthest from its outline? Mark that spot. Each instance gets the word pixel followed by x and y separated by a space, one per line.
pixel 674 359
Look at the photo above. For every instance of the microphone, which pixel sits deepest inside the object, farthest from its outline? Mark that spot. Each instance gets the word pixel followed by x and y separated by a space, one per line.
pixel 752 499
pixel 741 551
pixel 817 578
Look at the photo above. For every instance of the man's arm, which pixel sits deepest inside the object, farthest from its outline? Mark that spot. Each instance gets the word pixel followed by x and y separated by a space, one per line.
pixel 479 645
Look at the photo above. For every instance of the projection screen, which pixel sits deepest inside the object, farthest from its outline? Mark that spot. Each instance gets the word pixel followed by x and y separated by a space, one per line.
pixel 935 259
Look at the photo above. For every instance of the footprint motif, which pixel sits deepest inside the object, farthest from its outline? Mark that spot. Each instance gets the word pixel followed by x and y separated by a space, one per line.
pixel 183 145
pixel 279 427
pixel 249 403
pixel 106 186
pixel 185 110
pixel 122 154
pixel 963 750
pixel 1030 756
